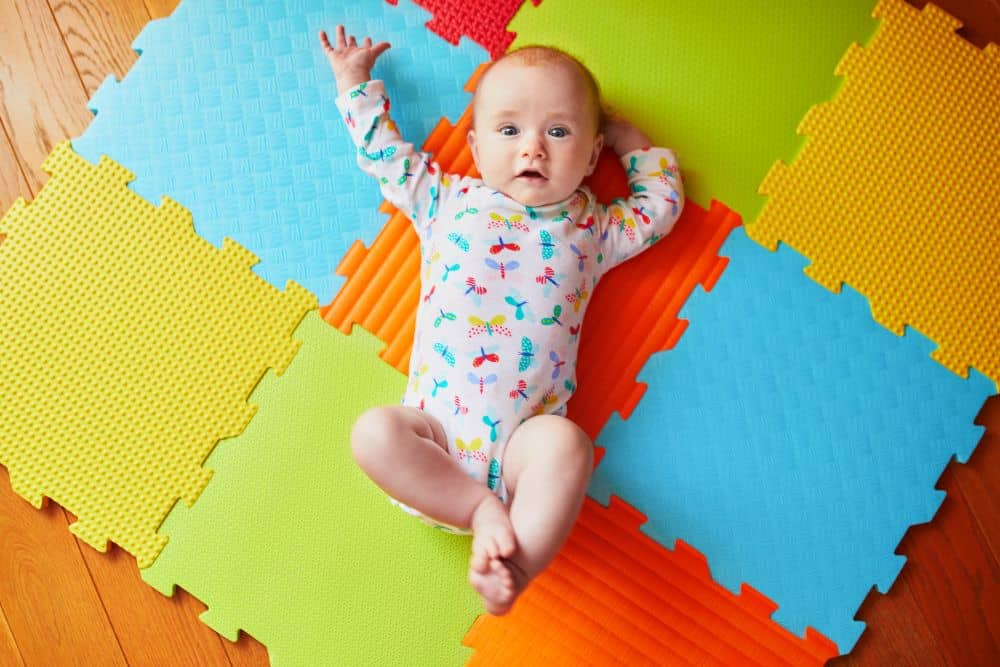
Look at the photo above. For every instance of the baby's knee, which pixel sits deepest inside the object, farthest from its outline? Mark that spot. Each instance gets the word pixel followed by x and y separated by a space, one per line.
pixel 564 441
pixel 373 434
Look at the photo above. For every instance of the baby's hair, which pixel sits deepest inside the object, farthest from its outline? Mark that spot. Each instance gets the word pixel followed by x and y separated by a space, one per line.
pixel 537 54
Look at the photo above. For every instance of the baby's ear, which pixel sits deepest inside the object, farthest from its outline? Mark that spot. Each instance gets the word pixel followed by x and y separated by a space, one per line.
pixel 471 138
pixel 598 146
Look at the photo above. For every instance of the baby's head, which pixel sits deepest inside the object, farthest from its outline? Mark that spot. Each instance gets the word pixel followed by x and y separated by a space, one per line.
pixel 536 125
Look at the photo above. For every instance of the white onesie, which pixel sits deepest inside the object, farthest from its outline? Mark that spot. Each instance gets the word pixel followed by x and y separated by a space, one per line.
pixel 504 286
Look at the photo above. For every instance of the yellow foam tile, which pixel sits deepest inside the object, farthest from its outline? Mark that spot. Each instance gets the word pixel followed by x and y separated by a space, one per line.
pixel 129 348
pixel 895 190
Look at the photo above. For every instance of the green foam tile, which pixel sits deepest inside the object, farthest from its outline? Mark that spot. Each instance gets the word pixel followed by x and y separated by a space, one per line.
pixel 293 544
pixel 723 82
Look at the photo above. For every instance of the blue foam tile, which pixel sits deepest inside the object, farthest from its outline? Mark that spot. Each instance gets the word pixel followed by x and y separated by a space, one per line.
pixel 790 439
pixel 229 110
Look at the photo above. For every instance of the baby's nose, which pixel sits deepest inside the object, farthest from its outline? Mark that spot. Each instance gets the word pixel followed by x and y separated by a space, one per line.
pixel 532 147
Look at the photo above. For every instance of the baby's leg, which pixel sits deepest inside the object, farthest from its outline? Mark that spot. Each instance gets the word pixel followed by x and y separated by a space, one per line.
pixel 405 452
pixel 547 466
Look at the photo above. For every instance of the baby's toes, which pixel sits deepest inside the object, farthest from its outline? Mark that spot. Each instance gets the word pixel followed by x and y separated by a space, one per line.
pixel 482 545
pixel 506 544
pixel 503 577
pixel 480 562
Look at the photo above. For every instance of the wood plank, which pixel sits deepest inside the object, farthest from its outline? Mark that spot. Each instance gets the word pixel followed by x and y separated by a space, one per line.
pixel 99 34
pixel 247 652
pixel 151 629
pixel 9 653
pixel 12 182
pixel 42 100
pixel 943 607
pixel 895 632
pixel 980 18
pixel 52 608
pixel 161 8
pixel 958 589
pixel 979 480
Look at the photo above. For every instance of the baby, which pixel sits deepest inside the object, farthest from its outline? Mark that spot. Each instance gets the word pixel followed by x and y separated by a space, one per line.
pixel 510 261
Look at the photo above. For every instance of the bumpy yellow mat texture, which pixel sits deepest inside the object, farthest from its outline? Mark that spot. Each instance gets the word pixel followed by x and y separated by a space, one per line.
pixel 129 348
pixel 895 191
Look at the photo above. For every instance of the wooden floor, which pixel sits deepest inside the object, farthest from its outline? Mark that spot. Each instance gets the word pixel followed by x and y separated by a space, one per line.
pixel 63 603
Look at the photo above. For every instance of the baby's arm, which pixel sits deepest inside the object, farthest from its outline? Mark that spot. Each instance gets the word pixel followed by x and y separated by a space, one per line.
pixel 629 226
pixel 351 64
pixel 407 178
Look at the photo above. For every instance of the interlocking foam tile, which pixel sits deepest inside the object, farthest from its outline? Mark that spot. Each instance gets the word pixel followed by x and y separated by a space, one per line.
pixel 295 545
pixel 130 345
pixel 614 597
pixel 482 21
pixel 230 110
pixel 791 439
pixel 724 82
pixel 895 192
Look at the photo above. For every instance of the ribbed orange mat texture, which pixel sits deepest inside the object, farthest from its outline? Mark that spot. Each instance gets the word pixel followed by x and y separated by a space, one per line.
pixel 613 596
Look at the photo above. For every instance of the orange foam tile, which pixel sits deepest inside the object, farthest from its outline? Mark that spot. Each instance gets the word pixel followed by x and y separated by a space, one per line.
pixel 615 596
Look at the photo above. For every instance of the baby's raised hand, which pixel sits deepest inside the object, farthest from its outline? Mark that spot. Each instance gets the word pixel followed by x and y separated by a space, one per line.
pixel 622 136
pixel 351 63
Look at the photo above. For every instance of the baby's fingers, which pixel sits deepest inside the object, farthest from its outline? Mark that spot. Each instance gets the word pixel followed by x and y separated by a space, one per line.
pixel 380 48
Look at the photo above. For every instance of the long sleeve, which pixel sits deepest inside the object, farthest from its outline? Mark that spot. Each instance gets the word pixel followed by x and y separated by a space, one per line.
pixel 629 226
pixel 408 178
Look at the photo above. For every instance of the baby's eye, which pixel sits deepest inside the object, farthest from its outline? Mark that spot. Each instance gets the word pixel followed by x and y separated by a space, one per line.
pixel 558 132
pixel 508 130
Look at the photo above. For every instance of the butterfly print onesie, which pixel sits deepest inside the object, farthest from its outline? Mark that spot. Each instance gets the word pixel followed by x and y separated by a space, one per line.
pixel 504 287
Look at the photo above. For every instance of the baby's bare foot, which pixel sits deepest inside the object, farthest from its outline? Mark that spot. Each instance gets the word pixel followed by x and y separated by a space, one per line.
pixel 493 534
pixel 493 542
pixel 500 584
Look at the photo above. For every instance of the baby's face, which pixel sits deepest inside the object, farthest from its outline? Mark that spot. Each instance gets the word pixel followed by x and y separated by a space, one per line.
pixel 534 137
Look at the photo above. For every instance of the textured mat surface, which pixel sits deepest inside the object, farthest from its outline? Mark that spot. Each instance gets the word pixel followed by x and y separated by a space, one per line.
pixel 615 597
pixel 482 21
pixel 896 190
pixel 230 110
pixel 293 544
pixel 130 345
pixel 724 82
pixel 790 439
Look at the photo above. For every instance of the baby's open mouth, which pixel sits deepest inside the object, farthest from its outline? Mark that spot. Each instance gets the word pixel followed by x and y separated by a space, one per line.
pixel 531 175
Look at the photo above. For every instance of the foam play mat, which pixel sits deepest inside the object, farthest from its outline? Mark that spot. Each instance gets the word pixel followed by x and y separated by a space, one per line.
pixel 891 192
pixel 765 441
pixel 723 82
pixel 782 437
pixel 294 544
pixel 614 596
pixel 230 110
pixel 130 347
